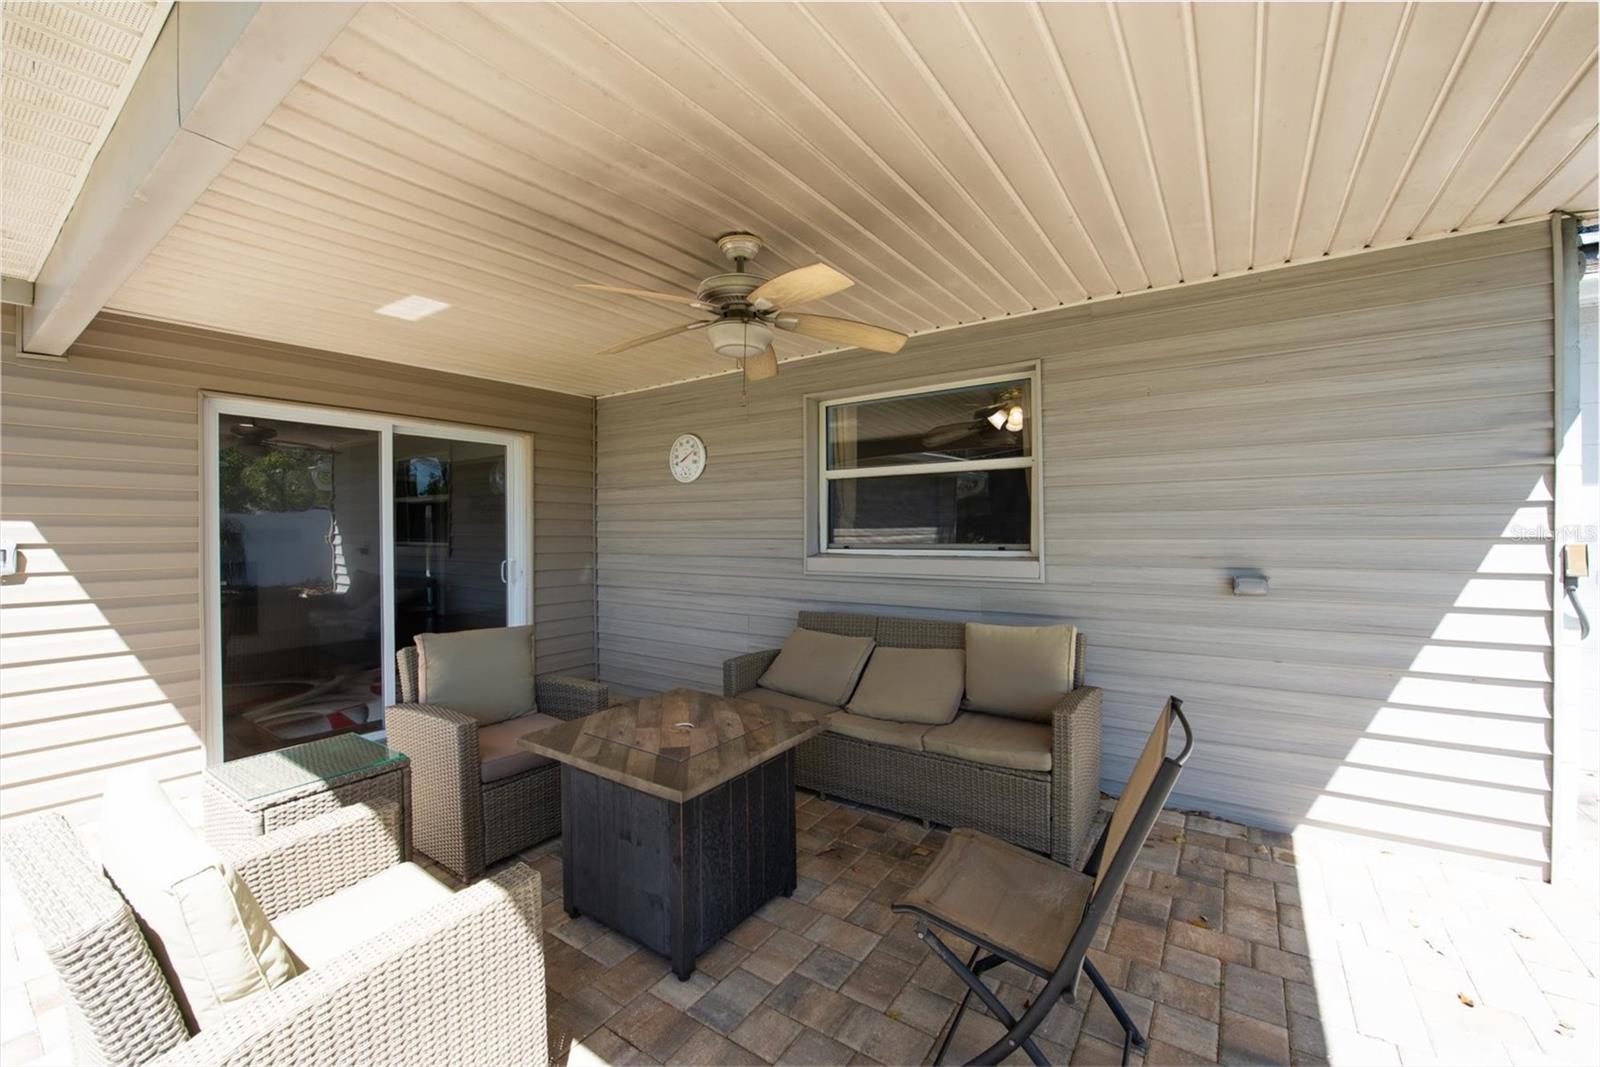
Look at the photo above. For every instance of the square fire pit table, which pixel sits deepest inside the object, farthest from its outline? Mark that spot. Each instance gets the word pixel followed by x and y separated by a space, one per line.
pixel 677 815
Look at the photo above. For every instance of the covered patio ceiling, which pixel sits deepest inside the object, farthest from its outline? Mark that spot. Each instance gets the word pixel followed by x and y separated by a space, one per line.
pixel 961 163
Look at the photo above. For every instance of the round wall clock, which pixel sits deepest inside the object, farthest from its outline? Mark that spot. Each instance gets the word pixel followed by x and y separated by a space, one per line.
pixel 687 458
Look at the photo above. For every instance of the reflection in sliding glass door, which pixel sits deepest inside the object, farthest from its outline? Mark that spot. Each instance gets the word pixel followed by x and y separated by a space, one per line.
pixel 450 556
pixel 301 581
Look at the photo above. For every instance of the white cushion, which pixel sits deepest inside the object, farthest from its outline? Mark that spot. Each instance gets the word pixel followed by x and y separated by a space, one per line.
pixel 209 933
pixel 328 928
pixel 1021 672
pixel 911 685
pixel 487 674
pixel 818 666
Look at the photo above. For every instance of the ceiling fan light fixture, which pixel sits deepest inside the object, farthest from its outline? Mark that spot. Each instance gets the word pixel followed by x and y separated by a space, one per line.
pixel 739 338
pixel 997 418
pixel 1014 418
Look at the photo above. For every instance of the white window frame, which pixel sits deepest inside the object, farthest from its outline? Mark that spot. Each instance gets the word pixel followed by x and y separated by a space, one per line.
pixel 519 525
pixel 957 563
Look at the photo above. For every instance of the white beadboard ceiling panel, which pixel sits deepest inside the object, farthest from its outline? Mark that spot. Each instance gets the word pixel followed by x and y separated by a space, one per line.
pixel 67 70
pixel 960 162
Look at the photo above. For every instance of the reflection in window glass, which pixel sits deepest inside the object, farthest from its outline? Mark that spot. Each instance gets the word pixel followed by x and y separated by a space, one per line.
pixel 450 536
pixel 940 426
pixel 301 569
pixel 949 469
pixel 956 509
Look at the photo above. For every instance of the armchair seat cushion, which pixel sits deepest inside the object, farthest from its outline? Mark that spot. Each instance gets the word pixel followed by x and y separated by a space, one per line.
pixel 499 755
pixel 773 699
pixel 996 741
pixel 864 728
pixel 330 927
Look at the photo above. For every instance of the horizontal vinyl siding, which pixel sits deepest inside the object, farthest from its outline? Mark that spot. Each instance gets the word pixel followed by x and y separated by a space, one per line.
pixel 101 642
pixel 1371 433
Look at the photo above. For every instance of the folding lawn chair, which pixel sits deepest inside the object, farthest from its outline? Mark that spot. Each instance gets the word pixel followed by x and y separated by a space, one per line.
pixel 1016 906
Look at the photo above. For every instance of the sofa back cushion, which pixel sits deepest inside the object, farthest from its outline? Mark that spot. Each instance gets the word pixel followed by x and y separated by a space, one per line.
pixel 818 666
pixel 210 935
pixel 911 685
pixel 487 674
pixel 1019 671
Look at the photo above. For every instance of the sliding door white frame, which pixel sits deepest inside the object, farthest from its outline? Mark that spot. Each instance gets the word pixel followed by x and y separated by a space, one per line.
pixel 519 525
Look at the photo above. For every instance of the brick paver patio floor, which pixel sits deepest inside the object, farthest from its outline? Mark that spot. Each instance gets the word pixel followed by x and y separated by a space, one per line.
pixel 1228 945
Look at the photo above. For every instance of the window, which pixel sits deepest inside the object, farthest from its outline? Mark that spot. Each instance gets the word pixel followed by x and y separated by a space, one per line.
pixel 933 475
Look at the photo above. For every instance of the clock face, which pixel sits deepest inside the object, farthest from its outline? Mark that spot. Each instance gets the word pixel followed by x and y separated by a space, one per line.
pixel 687 458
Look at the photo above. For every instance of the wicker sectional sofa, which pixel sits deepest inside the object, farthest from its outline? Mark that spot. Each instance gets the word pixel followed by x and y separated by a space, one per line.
pixel 1048 811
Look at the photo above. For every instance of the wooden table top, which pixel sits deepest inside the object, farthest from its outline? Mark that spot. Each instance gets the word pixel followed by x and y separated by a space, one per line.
pixel 676 745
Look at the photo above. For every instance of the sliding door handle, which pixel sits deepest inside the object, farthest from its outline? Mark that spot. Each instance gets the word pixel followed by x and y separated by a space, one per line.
pixel 505 572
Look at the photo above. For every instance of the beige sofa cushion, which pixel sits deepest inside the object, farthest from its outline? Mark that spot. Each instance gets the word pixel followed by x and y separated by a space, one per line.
pixel 818 666
pixel 1019 671
pixel 999 742
pixel 911 685
pixel 209 933
pixel 327 928
pixel 487 674
pixel 899 734
pixel 771 698
pixel 499 755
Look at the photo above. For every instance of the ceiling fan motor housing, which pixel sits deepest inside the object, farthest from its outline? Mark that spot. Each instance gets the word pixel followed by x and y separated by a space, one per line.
pixel 739 338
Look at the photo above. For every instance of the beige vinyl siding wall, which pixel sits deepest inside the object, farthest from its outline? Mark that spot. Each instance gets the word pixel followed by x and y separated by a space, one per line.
pixel 100 660
pixel 1371 432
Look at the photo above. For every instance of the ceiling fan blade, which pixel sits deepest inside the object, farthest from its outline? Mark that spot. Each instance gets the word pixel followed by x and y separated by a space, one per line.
pixel 799 286
pixel 682 327
pixel 763 366
pixel 686 299
pixel 843 331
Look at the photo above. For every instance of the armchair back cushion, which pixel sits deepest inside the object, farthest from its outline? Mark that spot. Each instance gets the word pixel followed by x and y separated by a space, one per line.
pixel 486 674
pixel 911 685
pixel 818 666
pixel 211 937
pixel 1020 672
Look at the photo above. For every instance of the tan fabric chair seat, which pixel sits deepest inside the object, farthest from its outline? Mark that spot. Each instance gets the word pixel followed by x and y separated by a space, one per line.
pixel 773 699
pixel 996 741
pixel 499 755
pixel 899 734
pixel 1004 894
pixel 328 928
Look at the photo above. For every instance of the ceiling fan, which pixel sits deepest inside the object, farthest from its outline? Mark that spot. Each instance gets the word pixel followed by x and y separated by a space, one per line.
pixel 748 308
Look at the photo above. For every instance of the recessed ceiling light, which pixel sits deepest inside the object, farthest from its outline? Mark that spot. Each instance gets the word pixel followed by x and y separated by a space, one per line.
pixel 412 308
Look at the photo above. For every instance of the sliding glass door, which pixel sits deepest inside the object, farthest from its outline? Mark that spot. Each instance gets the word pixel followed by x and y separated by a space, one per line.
pixel 335 538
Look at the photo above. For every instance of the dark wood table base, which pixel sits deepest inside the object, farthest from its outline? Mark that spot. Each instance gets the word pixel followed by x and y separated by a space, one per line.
pixel 673 876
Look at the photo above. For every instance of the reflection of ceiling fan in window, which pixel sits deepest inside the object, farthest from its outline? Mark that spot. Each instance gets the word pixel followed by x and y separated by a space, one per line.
pixel 748 308
pixel 252 439
pixel 1001 419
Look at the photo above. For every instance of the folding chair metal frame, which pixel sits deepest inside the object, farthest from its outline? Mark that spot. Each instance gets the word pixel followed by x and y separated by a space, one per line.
pixel 1062 982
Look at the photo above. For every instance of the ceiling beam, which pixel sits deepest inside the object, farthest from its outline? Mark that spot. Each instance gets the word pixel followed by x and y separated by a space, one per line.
pixel 215 73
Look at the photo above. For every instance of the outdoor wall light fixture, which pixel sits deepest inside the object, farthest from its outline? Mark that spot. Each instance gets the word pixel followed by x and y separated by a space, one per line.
pixel 1249 585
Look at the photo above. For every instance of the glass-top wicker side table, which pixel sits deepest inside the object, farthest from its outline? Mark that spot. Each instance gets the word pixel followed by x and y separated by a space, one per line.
pixel 248 797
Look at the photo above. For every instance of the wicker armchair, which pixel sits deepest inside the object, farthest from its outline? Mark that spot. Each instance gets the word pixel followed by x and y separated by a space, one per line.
pixel 463 982
pixel 458 820
pixel 1047 811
